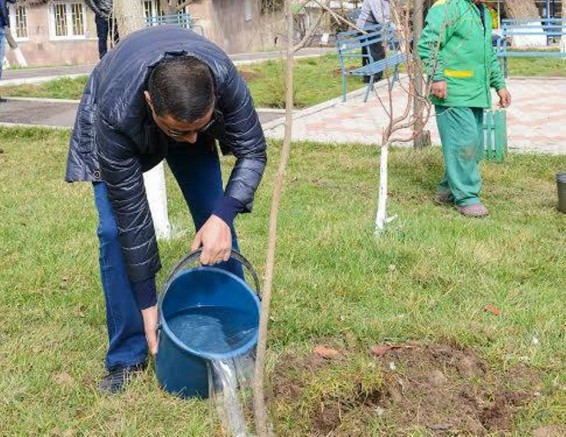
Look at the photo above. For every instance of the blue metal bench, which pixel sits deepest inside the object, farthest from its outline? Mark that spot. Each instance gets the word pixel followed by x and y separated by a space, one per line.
pixel 549 28
pixel 181 19
pixel 350 45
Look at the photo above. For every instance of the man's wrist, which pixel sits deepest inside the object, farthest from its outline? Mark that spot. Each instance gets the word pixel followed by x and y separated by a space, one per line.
pixel 228 209
pixel 146 293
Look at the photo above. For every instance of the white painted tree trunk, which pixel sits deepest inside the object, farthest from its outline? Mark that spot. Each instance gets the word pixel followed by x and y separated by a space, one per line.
pixel 13 45
pixel 20 58
pixel 157 198
pixel 381 218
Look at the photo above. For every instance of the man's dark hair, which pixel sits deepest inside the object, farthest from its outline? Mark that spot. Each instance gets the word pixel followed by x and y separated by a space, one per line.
pixel 182 87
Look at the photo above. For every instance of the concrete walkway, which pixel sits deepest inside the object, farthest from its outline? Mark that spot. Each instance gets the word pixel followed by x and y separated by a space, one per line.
pixel 536 120
pixel 37 75
pixel 61 113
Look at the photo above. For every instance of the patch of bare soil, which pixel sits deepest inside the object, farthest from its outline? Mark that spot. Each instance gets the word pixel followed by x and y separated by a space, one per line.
pixel 440 389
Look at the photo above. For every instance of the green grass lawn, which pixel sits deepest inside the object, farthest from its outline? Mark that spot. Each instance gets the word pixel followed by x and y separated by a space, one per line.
pixel 316 80
pixel 553 67
pixel 427 279
pixel 63 88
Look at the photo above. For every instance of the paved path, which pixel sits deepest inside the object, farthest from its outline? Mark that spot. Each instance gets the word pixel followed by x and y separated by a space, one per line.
pixel 43 74
pixel 536 119
pixel 50 112
pixel 40 112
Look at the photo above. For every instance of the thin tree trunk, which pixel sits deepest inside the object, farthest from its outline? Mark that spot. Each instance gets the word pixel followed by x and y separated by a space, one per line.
pixel 20 58
pixel 520 9
pixel 260 410
pixel 381 216
pixel 128 15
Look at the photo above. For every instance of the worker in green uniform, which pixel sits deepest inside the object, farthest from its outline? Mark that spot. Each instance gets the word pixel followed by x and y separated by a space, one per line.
pixel 456 50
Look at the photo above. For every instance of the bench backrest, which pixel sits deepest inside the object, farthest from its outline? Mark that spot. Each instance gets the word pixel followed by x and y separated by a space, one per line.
pixel 550 27
pixel 351 42
pixel 183 20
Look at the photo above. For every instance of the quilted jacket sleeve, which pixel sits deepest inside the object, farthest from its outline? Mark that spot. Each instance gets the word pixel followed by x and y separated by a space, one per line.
pixel 121 169
pixel 244 136
pixel 82 154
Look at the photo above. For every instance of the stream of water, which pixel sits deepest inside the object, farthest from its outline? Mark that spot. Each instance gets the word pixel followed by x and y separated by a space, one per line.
pixel 219 331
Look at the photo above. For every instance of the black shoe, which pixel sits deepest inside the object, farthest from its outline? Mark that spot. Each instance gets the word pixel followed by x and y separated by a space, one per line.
pixel 117 378
pixel 3 100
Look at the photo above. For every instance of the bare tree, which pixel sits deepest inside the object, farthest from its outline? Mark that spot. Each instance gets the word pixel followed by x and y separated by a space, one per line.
pixel 170 7
pixel 407 124
pixel 128 15
pixel 416 110
pixel 260 410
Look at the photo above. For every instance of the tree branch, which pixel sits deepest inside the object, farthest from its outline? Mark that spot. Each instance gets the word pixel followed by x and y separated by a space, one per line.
pixel 312 29
pixel 183 5
pixel 260 410
pixel 338 17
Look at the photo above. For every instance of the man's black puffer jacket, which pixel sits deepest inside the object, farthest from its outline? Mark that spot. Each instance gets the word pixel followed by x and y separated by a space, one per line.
pixel 115 139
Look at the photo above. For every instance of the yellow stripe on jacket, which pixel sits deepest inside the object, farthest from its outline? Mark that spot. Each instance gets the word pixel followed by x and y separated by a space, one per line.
pixel 460 74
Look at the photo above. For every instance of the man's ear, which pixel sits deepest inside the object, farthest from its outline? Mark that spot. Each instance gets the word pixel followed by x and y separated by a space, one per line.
pixel 148 100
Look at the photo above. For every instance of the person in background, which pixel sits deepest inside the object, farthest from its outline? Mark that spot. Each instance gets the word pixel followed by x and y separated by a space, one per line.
pixel 4 23
pixel 455 46
pixel 373 13
pixel 496 34
pixel 102 31
pixel 162 93
pixel 103 19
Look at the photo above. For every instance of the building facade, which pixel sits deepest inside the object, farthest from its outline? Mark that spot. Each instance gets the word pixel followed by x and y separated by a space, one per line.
pixel 63 32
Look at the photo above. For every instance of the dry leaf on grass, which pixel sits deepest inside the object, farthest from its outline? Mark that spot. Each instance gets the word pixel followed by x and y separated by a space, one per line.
pixel 380 350
pixel 492 309
pixel 326 352
pixel 63 378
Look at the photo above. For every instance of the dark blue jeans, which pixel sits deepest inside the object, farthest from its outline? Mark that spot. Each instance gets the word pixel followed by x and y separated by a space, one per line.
pixel 196 168
pixel 102 31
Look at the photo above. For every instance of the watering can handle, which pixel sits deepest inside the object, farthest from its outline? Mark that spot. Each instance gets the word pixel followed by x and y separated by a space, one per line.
pixel 194 256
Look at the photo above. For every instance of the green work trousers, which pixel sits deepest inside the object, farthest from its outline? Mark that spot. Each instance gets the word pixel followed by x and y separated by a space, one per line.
pixel 461 133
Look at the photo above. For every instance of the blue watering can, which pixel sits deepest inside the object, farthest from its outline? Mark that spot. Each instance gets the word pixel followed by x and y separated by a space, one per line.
pixel 205 313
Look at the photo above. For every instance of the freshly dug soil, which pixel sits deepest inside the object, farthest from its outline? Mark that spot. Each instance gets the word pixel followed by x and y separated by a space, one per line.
pixel 437 389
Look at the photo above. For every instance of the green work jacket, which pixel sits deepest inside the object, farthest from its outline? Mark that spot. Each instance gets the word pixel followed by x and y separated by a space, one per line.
pixel 455 46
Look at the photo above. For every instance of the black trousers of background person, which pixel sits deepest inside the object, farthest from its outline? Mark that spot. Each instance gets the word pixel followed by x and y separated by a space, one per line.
pixel 102 30
pixel 377 52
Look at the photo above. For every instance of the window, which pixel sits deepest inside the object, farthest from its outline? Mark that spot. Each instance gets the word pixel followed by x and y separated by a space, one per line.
pixel 78 19
pixel 149 9
pixel 67 20
pixel 19 22
pixel 248 10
